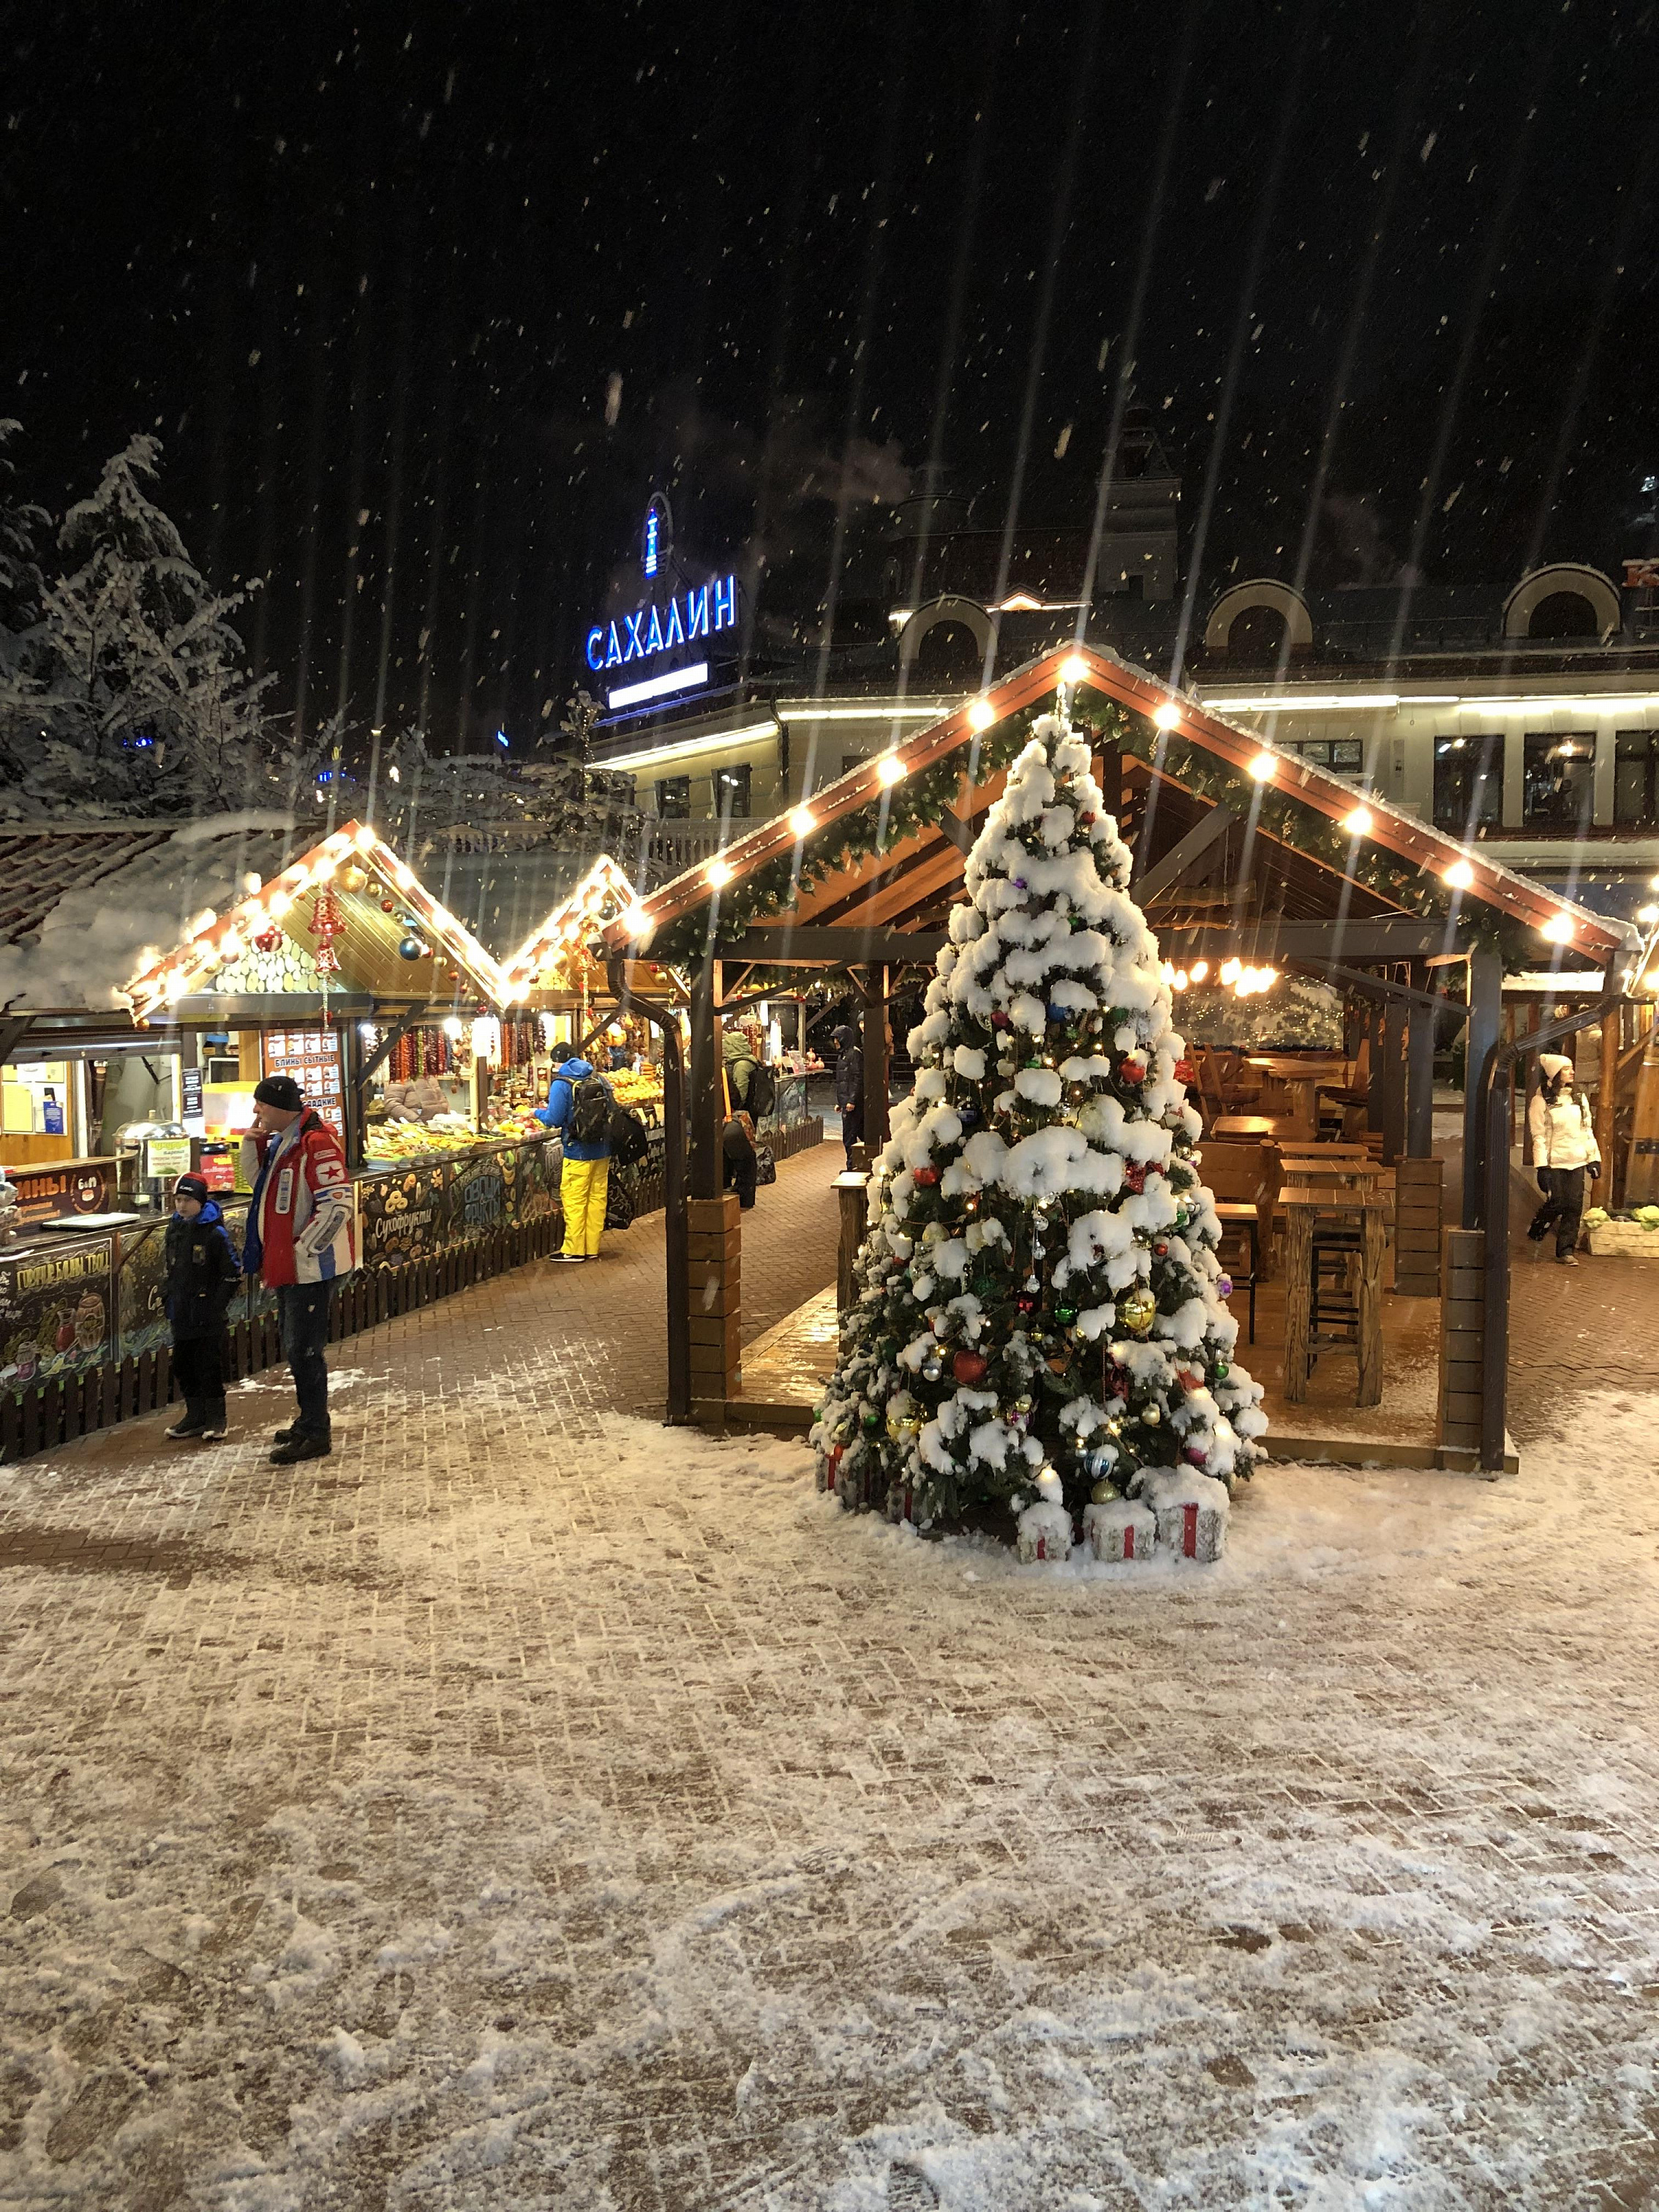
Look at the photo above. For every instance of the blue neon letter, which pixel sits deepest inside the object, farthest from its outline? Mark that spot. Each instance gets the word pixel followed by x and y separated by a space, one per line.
pixel 725 603
pixel 696 613
pixel 595 640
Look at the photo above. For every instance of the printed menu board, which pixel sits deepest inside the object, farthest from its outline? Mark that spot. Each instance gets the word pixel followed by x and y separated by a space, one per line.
pixel 312 1057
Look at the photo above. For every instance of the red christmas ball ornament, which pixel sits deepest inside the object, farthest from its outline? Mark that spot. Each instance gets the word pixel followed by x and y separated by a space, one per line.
pixel 969 1366
pixel 1185 1071
pixel 998 1019
pixel 1026 1302
pixel 1134 1069
pixel 926 1176
pixel 1194 1455
pixel 1134 1175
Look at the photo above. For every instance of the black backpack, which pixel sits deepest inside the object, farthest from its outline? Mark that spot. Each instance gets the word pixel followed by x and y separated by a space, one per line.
pixel 629 1142
pixel 763 1091
pixel 590 1111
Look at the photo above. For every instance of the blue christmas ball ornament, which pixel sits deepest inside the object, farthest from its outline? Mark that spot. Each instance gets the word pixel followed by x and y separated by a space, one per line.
pixel 412 948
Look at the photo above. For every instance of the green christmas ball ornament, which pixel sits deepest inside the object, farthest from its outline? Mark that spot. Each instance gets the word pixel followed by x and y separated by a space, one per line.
pixel 1222 1370
pixel 1138 1310
pixel 871 1419
pixel 1065 1316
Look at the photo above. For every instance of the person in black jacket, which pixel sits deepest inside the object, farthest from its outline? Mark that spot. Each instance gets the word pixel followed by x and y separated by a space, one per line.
pixel 849 1087
pixel 203 1272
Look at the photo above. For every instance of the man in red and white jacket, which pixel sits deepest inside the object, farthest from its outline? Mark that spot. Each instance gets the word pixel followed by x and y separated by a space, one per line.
pixel 302 1238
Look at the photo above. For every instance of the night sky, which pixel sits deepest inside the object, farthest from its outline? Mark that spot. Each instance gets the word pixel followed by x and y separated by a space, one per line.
pixel 481 275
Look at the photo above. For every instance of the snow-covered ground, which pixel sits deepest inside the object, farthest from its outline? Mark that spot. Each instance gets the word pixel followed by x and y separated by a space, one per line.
pixel 511 1815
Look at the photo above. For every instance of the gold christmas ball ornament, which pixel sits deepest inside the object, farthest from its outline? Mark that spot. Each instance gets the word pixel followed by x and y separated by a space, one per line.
pixel 1151 1416
pixel 1104 1491
pixel 1137 1311
pixel 353 878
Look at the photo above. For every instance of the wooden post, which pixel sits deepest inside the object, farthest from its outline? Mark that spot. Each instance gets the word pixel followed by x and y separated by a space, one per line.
pixel 854 1191
pixel 1377 1064
pixel 1417 1202
pixel 704 1178
pixel 1394 1081
pixel 1480 1034
pixel 1369 1300
pixel 714 1286
pixel 875 1058
pixel 1298 1281
pixel 1534 1015
pixel 1607 1102
pixel 1419 1084
pixel 1462 1343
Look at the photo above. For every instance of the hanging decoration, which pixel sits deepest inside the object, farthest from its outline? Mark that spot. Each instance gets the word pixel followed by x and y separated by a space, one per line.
pixel 327 923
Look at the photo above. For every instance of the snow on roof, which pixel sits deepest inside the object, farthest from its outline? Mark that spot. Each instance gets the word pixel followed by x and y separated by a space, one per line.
pixel 83 906
pixel 603 894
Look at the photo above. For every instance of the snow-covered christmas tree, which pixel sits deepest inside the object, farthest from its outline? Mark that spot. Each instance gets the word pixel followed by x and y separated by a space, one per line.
pixel 1041 1317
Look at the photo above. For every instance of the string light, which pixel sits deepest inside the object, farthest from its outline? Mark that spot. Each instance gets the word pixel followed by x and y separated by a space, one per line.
pixel 718 873
pixel 1460 876
pixel 1558 930
pixel 803 822
pixel 1647 915
pixel 1262 766
pixel 637 919
pixel 1199 970
pixel 890 770
pixel 981 714
pixel 1168 716
pixel 1074 669
pixel 1360 822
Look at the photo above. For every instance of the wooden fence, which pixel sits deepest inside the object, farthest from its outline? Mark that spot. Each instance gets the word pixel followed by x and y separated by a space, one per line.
pixel 57 1412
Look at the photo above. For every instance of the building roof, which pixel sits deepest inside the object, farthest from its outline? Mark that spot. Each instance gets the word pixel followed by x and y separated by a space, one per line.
pixel 374 892
pixel 792 860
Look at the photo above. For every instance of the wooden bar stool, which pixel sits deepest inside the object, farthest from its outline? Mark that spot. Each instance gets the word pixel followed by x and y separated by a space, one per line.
pixel 1333 1229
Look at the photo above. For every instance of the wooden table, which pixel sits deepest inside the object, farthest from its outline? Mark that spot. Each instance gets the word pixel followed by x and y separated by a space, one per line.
pixel 1302 1080
pixel 1303 1206
pixel 1247 1126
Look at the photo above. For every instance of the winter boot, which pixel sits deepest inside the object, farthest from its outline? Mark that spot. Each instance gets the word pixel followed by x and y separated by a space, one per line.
pixel 215 1423
pixel 300 1446
pixel 192 1422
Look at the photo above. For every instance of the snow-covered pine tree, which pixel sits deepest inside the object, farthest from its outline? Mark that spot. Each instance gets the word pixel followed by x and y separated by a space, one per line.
pixel 1041 1311
pixel 144 696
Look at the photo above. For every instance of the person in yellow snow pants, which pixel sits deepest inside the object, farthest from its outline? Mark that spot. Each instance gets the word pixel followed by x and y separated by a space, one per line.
pixel 583 1185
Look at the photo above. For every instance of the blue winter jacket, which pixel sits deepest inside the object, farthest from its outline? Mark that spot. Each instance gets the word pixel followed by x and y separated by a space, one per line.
pixel 556 1112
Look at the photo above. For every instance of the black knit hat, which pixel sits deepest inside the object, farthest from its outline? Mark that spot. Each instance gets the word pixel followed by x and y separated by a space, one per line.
pixel 192 1186
pixel 281 1092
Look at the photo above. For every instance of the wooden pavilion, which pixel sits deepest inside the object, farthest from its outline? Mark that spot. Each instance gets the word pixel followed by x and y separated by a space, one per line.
pixel 1241 849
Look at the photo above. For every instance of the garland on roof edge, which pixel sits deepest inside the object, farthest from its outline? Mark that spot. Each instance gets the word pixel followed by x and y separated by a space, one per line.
pixel 923 798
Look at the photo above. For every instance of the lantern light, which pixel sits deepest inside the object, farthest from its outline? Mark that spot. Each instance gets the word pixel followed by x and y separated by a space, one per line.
pixel 637 920
pixel 1360 822
pixel 1074 669
pixel 1647 915
pixel 981 713
pixel 1199 970
pixel 1262 766
pixel 1558 930
pixel 1168 716
pixel 1460 876
pixel 454 1026
pixel 890 770
pixel 718 873
pixel 803 822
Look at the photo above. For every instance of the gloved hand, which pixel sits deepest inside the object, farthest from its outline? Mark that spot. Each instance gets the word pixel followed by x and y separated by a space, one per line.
pixel 1595 1169
pixel 1544 1182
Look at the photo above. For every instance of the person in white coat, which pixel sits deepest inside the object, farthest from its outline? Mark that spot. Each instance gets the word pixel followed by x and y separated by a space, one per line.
pixel 1564 1152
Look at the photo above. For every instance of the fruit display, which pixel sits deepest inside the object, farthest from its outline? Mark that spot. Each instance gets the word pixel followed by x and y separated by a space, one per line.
pixel 644 1088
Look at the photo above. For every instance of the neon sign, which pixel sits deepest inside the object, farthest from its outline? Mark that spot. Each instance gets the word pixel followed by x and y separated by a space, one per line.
pixel 656 628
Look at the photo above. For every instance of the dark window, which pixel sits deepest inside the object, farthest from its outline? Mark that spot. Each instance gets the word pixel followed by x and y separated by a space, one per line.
pixel 731 793
pixel 674 797
pixel 1257 635
pixel 1468 785
pixel 1636 777
pixel 1563 614
pixel 1342 755
pixel 1561 777
pixel 850 761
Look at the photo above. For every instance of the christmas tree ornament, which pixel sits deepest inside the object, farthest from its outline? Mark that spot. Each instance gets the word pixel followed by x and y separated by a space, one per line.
pixel 871 1420
pixel 1103 1489
pixel 269 939
pixel 968 1367
pixel 410 948
pixel 1065 1316
pixel 1151 1415
pixel 1133 1068
pixel 926 1177
pixel 326 924
pixel 353 878
pixel 1134 1175
pixel 1138 1309
pixel 1222 1370
pixel 1223 1287
pixel 1026 1303
pixel 388 906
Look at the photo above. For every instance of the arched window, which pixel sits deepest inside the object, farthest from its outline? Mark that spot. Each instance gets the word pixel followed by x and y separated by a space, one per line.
pixel 1564 614
pixel 1257 636
pixel 947 657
